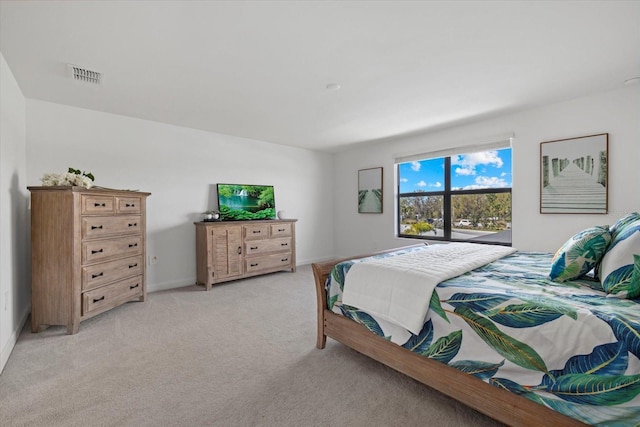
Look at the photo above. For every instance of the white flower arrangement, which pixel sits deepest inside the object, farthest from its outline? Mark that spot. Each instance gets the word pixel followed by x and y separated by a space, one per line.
pixel 72 177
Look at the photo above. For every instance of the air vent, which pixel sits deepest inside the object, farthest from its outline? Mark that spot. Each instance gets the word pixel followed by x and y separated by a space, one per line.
pixel 84 75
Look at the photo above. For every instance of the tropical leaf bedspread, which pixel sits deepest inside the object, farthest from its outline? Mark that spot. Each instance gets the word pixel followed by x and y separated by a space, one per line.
pixel 563 345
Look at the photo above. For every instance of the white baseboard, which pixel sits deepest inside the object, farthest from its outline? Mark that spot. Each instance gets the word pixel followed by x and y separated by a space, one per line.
pixel 312 260
pixel 155 287
pixel 6 351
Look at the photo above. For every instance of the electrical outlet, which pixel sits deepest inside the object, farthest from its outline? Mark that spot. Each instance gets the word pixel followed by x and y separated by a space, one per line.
pixel 153 259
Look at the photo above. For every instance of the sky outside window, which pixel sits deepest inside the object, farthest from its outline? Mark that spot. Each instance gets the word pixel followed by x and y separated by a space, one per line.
pixel 486 169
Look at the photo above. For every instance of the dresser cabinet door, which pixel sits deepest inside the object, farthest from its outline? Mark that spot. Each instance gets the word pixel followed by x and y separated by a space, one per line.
pixel 227 252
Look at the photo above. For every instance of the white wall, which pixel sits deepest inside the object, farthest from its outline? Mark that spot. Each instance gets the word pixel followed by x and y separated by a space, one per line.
pixel 180 167
pixel 616 113
pixel 14 263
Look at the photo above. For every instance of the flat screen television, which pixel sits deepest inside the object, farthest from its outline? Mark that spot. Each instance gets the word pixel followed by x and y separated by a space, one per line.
pixel 238 202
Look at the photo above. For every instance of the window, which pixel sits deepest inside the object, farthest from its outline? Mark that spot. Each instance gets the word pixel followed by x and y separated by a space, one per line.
pixel 461 197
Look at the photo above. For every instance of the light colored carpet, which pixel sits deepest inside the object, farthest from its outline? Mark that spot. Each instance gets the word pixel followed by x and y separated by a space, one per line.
pixel 242 354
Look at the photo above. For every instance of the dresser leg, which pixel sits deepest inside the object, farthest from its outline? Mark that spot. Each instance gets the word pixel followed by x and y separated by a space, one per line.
pixel 35 325
pixel 73 328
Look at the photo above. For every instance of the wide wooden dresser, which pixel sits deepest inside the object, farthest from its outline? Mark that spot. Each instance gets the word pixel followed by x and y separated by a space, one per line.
pixel 87 253
pixel 230 250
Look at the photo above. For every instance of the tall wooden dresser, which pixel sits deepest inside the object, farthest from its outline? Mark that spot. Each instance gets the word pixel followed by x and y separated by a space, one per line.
pixel 230 250
pixel 87 253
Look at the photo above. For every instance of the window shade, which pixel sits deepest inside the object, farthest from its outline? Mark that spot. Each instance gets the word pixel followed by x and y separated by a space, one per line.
pixel 492 143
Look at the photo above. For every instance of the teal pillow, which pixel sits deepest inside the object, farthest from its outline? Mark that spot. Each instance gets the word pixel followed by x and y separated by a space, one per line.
pixel 628 218
pixel 633 216
pixel 578 255
pixel 619 270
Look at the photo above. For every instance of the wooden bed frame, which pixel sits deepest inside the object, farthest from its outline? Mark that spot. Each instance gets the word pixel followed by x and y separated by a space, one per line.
pixel 499 404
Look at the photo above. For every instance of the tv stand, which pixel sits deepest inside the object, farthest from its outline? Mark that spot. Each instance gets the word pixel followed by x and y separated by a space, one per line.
pixel 231 250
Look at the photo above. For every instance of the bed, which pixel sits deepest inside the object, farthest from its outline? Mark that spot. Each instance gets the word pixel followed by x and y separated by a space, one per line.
pixel 506 340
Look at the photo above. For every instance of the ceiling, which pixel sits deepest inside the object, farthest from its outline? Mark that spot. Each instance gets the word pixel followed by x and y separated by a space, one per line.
pixel 260 69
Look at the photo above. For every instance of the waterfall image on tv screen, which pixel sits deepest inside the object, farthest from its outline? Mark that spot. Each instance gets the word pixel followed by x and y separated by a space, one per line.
pixel 244 202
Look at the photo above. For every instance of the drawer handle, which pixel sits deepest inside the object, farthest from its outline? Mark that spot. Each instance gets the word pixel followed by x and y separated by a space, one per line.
pixel 133 245
pixel 135 224
pixel 134 286
pixel 99 251
pixel 133 265
pixel 256 231
pixel 285 260
pixel 98 299
pixel 130 205
pixel 239 250
pixel 253 248
pixel 281 229
pixel 96 227
pixel 99 205
pixel 284 244
pixel 254 265
pixel 93 276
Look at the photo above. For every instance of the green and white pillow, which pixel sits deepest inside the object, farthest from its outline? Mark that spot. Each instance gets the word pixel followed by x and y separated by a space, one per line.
pixel 578 255
pixel 619 270
pixel 633 216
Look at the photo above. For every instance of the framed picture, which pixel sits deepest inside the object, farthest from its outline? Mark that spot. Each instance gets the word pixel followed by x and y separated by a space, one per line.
pixel 370 190
pixel 574 175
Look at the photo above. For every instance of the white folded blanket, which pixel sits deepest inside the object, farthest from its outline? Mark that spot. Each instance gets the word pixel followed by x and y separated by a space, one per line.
pixel 399 288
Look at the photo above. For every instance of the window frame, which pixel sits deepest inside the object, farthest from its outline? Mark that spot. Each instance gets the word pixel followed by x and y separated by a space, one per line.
pixel 447 195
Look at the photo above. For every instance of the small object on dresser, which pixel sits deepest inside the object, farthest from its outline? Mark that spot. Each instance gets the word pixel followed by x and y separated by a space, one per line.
pixel 74 177
pixel 282 215
pixel 211 216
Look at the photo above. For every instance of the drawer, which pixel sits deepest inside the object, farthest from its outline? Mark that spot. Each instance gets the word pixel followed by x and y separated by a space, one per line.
pixel 278 230
pixel 97 204
pixel 102 249
pixel 127 205
pixel 267 262
pixel 109 296
pixel 266 246
pixel 111 271
pixel 97 226
pixel 255 231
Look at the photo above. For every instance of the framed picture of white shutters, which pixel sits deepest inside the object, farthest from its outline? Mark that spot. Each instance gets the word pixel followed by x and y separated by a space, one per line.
pixel 574 175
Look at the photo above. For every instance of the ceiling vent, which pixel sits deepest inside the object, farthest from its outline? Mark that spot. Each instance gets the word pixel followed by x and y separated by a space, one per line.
pixel 84 75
